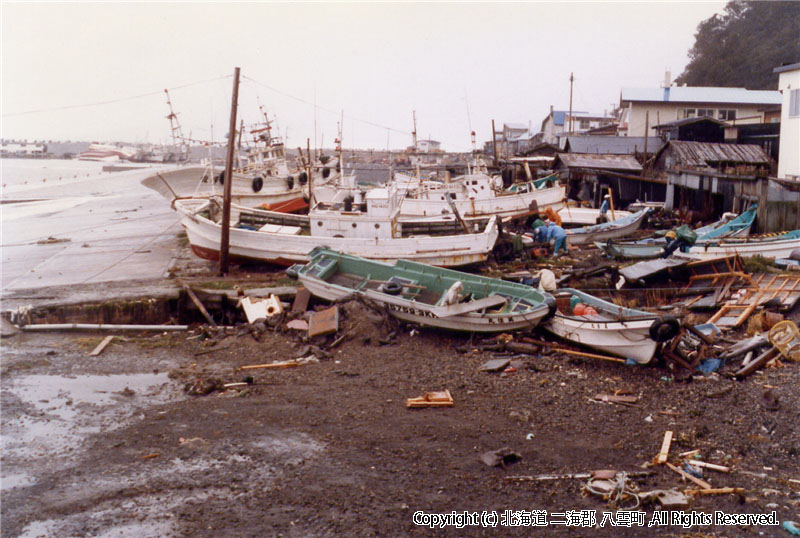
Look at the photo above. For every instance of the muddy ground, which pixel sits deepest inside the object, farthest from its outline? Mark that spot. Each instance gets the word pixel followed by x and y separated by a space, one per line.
pixel 122 444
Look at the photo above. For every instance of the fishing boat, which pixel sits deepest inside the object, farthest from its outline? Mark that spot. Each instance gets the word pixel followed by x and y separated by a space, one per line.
pixel 653 247
pixel 584 216
pixel 424 294
pixel 610 328
pixel 261 176
pixel 105 153
pixel 607 230
pixel 481 195
pixel 370 229
pixel 768 246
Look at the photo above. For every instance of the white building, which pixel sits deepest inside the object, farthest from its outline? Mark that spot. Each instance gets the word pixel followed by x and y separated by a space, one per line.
pixel 789 86
pixel 559 122
pixel 22 149
pixel 656 106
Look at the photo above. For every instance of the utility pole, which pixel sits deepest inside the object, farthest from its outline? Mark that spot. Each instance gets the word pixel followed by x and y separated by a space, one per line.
pixel 226 200
pixel 571 78
pixel 494 143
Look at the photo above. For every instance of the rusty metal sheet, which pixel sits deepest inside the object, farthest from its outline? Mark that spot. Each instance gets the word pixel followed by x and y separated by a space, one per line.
pixel 301 299
pixel 324 322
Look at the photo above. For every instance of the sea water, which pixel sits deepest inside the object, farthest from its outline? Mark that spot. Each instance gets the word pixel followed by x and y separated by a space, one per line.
pixel 20 175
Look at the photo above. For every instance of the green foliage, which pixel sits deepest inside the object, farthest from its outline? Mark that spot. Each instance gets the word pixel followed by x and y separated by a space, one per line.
pixel 741 47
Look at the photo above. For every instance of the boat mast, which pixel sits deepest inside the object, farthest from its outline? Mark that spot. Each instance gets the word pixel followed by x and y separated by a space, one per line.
pixel 414 147
pixel 174 124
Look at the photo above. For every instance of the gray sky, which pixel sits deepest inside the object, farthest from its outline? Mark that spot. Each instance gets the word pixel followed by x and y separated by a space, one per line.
pixel 376 62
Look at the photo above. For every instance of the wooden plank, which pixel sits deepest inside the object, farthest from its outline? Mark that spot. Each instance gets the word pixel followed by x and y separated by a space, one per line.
pixel 712 466
pixel 101 346
pixel 284 364
pixel 199 305
pixel 713 491
pixel 301 299
pixel 663 455
pixel 702 483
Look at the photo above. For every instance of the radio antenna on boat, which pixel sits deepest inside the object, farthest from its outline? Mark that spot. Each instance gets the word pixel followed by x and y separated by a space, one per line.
pixel 414 147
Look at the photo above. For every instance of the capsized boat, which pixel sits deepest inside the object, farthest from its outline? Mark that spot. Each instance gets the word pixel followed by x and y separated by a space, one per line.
pixel 613 329
pixel 424 294
pixel 370 230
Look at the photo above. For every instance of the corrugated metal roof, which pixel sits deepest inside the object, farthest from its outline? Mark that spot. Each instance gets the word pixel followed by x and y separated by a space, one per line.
pixel 611 145
pixel 602 162
pixel 702 94
pixel 708 153
pixel 784 68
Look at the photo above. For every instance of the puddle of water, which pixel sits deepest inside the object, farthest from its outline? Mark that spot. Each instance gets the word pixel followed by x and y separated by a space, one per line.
pixel 14 480
pixel 66 409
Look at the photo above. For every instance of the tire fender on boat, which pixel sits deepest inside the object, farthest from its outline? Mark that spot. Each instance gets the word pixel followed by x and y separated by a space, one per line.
pixel 302 178
pixel 551 307
pixel 326 172
pixel 258 184
pixel 290 182
pixel 220 178
pixel 665 328
pixel 392 288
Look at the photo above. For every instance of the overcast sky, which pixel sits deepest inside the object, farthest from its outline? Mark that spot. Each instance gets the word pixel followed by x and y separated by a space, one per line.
pixel 457 64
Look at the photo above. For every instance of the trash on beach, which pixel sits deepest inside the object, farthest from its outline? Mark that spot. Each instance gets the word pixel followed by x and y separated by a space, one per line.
pixel 101 346
pixel 324 322
pixel 301 299
pixel 441 398
pixel 256 309
pixel 663 454
pixel 298 324
pixel 495 365
pixel 624 399
pixel 500 457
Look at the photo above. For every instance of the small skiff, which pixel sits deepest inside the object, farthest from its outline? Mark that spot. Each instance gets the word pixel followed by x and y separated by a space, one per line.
pixel 624 332
pixel 424 294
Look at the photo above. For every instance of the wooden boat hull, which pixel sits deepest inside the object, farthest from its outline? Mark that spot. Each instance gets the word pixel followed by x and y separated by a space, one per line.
pixel 768 248
pixel 285 248
pixel 425 313
pixel 505 205
pixel 586 216
pixel 633 250
pixel 628 336
pixel 610 230
pixel 196 181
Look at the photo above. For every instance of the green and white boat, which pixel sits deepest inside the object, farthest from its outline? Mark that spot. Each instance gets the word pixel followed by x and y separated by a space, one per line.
pixel 426 294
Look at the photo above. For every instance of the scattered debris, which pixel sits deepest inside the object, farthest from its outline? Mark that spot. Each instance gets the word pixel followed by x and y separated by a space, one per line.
pixel 500 457
pixel 495 365
pixel 663 454
pixel 324 322
pixel 301 299
pixel 101 346
pixel 616 398
pixel 441 398
pixel 298 324
pixel 702 483
pixel 259 309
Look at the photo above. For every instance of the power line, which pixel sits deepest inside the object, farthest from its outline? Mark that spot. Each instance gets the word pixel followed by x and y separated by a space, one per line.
pixel 301 100
pixel 111 101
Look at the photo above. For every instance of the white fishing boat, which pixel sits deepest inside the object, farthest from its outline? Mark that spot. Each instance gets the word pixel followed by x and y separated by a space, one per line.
pixel 261 177
pixel 424 294
pixel 584 216
pixel 106 153
pixel 771 246
pixel 370 230
pixel 610 328
pixel 608 230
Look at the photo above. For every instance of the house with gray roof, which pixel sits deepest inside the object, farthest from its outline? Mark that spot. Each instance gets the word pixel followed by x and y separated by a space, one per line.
pixel 657 106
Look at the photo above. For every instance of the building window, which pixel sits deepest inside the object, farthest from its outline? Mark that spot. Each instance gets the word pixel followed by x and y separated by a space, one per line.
pixel 690 113
pixel 705 113
pixel 794 103
pixel 726 115
pixel 584 124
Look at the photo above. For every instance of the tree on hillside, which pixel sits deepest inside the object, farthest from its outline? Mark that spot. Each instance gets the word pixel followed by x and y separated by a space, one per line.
pixel 742 46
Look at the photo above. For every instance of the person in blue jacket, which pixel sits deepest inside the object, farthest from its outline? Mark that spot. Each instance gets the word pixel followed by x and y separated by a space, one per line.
pixel 556 232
